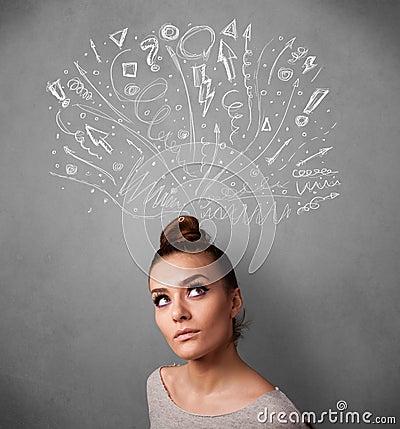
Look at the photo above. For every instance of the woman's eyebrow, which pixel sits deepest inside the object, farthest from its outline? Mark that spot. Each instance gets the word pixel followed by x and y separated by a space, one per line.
pixel 181 283
pixel 159 290
pixel 191 278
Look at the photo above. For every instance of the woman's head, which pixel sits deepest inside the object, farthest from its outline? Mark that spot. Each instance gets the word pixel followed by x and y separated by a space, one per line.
pixel 194 285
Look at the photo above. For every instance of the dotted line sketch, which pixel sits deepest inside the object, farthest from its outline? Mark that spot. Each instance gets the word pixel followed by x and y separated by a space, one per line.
pixel 197 120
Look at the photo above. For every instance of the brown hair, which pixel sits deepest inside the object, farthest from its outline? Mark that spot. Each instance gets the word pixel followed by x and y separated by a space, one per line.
pixel 184 235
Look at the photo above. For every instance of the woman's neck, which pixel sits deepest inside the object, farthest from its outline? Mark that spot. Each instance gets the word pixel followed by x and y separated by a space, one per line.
pixel 215 371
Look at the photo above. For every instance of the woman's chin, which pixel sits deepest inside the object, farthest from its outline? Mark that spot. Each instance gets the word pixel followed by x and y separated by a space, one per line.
pixel 189 353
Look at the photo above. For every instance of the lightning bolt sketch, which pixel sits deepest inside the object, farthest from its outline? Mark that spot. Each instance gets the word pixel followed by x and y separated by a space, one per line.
pixel 203 82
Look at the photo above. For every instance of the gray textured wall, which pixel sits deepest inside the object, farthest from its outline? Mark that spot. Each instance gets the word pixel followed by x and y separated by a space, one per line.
pixel 76 321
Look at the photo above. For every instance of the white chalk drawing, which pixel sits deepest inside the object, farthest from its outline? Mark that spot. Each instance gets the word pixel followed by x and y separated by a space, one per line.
pixel 309 64
pixel 226 57
pixel 285 74
pixel 150 43
pixel 71 169
pixel 94 49
pixel 272 159
pixel 118 166
pixel 129 69
pixel 288 45
pixel 204 53
pixel 314 203
pixel 246 64
pixel 119 37
pixel 76 85
pixel 320 153
pixel 177 124
pixel 317 96
pixel 168 32
pixel 203 82
pixel 79 135
pixel 98 138
pixel 266 126
pixel 57 90
pixel 230 30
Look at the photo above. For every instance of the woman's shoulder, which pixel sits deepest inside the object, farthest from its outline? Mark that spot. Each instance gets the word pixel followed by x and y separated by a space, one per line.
pixel 157 377
pixel 253 383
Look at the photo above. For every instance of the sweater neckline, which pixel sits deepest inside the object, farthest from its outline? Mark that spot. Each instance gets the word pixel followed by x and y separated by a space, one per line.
pixel 254 403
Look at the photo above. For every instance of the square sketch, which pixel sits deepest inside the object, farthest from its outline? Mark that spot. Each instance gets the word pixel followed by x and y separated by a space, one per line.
pixel 129 69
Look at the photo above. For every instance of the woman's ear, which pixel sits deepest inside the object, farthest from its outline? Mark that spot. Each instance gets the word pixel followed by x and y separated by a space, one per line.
pixel 237 302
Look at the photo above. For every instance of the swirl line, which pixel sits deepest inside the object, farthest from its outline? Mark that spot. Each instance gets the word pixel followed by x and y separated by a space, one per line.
pixel 77 86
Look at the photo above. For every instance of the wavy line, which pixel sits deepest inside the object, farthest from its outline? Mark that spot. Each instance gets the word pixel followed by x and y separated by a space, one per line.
pixel 79 135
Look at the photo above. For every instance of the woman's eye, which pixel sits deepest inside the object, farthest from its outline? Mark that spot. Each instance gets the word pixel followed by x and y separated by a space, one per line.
pixel 161 301
pixel 197 291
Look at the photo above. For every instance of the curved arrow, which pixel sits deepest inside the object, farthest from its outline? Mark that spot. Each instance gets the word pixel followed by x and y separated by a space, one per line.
pixel 288 44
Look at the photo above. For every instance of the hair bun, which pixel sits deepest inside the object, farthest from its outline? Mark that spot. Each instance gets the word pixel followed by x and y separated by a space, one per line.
pixel 182 229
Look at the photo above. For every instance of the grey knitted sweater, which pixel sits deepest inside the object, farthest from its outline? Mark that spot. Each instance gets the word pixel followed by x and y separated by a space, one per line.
pixel 164 414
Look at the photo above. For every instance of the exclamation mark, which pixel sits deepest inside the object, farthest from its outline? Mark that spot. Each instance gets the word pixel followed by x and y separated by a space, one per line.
pixel 315 100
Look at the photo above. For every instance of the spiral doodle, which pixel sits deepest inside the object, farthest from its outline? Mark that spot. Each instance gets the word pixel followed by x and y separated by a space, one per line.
pixel 131 89
pixel 301 120
pixel 77 86
pixel 118 166
pixel 341 405
pixel 183 134
pixel 169 32
pixel 285 74
pixel 71 169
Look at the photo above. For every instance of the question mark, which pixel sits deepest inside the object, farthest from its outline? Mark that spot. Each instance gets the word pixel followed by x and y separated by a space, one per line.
pixel 151 42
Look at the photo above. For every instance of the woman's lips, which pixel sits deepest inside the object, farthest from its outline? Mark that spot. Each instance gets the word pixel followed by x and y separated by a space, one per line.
pixel 185 334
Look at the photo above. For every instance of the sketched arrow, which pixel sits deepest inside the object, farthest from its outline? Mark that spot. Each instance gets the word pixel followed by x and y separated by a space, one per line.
pixel 93 46
pixel 98 137
pixel 226 56
pixel 130 143
pixel 217 134
pixel 288 44
pixel 320 153
pixel 70 152
pixel 331 196
pixel 247 37
pixel 273 158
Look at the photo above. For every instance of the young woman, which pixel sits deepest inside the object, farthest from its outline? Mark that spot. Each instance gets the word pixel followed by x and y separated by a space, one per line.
pixel 197 301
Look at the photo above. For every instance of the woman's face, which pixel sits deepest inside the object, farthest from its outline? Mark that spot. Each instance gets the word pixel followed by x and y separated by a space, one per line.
pixel 194 314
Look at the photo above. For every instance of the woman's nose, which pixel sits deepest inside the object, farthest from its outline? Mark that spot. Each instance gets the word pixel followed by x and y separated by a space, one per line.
pixel 180 310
